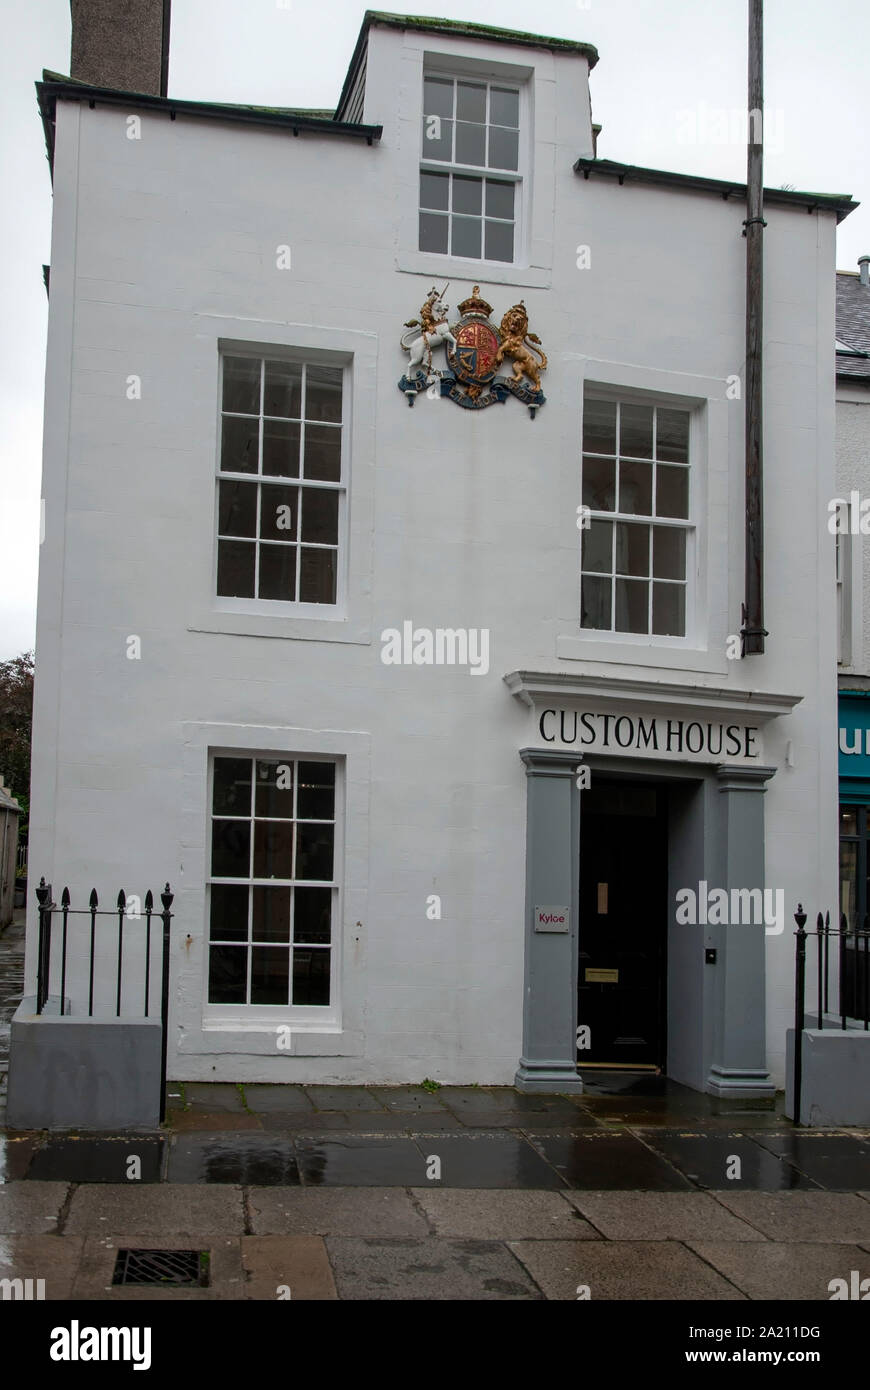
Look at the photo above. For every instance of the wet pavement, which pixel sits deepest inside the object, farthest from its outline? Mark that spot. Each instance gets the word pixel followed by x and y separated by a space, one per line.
pixel 11 981
pixel 546 1145
pixel 639 1189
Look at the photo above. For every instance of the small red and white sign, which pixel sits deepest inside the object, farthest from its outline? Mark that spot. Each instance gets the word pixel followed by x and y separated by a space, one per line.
pixel 552 918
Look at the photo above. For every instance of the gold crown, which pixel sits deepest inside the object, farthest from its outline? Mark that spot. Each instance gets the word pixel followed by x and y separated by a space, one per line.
pixel 475 305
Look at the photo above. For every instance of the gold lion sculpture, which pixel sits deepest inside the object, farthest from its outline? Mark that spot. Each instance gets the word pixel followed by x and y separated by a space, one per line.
pixel 517 343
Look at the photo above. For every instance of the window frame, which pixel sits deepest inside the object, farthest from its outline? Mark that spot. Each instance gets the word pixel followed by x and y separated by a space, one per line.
pixel 690 525
pixel 308 1017
pixel 520 178
pixel 286 607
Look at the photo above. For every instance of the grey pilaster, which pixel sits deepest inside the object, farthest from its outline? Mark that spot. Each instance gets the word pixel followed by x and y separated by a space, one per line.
pixel 739 1064
pixel 548 1063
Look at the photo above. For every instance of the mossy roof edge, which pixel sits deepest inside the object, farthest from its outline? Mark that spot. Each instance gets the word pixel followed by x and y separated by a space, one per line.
pixel 457 28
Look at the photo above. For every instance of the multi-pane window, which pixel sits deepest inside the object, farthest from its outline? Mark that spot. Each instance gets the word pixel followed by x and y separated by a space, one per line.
pixel 272 883
pixel 634 548
pixel 469 209
pixel 280 482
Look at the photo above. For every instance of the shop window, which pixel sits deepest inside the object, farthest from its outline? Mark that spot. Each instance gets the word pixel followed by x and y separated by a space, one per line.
pixel 273 885
pixel 854 902
pixel 636 492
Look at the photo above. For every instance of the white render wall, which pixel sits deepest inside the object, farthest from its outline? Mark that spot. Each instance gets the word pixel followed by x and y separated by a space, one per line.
pixel 165 247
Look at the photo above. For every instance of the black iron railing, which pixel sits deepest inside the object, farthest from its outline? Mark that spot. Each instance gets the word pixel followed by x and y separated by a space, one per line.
pixel 48 909
pixel 853 950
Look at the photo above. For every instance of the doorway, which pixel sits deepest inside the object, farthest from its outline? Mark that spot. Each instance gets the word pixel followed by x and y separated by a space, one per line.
pixel 623 919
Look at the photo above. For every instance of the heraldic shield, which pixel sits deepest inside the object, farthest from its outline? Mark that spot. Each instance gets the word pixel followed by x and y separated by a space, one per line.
pixel 475 349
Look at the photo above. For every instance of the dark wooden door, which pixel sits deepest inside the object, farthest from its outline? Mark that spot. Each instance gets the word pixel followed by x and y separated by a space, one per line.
pixel 623 924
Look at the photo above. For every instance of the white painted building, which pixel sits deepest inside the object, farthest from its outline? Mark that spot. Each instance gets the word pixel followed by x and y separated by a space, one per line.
pixel 850 517
pixel 228 289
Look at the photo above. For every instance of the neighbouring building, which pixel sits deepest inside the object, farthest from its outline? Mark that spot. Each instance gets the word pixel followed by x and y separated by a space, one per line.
pixel 417 673
pixel 9 813
pixel 850 517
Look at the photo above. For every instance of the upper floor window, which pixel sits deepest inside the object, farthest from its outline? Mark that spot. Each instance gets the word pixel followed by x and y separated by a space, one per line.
pixel 281 488
pixel 636 487
pixel 470 181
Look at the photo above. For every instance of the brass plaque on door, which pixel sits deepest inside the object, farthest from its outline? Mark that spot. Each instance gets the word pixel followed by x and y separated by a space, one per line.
pixel 602 899
pixel 601 977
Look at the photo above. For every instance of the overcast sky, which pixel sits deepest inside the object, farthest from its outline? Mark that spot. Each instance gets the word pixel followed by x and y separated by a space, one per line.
pixel 659 60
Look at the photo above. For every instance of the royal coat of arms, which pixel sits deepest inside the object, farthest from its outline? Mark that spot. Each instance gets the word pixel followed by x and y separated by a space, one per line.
pixel 475 350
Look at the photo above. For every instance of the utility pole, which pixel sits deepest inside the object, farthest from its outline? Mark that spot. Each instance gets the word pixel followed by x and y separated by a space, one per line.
pixel 753 631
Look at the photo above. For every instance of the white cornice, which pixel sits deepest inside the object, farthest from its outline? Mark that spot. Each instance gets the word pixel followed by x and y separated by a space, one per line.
pixel 532 687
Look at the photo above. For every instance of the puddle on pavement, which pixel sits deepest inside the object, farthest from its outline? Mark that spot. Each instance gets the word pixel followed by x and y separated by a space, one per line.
pixel 132 1159
pixel 248 1160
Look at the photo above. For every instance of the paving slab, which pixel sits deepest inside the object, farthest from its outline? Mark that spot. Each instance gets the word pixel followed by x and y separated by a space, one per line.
pixel 564 1121
pixel 287 1267
pixel 803 1216
pixel 430 1270
pixel 836 1161
pixel 94 1278
pixel 783 1270
pixel 602 1160
pixel 54 1259
pixel 16 1151
pixel 325 1211
pixel 358 1122
pixel 356 1160
pixel 245 1159
pixel 480 1215
pixel 30 1208
pixel 661 1216
pixel 187 1121
pixel 212 1096
pixel 707 1159
pixel 411 1100
pixel 176 1208
pixel 92 1159
pixel 490 1100
pixel 621 1270
pixel 485 1160
pixel 287 1099
pixel 346 1098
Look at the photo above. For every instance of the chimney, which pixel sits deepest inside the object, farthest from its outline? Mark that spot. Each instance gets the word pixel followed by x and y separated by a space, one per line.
pixel 864 268
pixel 121 44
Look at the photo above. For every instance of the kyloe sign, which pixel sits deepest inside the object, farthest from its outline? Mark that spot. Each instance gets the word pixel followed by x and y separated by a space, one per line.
pixel 651 735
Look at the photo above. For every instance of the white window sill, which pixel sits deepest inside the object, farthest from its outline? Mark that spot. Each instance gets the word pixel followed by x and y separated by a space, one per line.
pixel 336 628
pixel 232 1036
pixel 641 653
pixel 474 271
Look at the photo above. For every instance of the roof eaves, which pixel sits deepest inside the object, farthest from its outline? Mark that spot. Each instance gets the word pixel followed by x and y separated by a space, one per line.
pixel 54 87
pixel 840 203
pixel 462 28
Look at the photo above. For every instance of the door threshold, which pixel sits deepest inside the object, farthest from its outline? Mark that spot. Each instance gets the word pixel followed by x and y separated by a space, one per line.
pixel 619 1066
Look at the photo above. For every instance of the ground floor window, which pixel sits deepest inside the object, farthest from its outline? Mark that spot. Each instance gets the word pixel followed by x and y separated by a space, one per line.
pixel 272 886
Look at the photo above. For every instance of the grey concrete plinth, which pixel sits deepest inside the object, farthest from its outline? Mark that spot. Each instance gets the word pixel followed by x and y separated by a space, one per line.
pixel 83 1073
pixel 835 1078
pixel 548 1078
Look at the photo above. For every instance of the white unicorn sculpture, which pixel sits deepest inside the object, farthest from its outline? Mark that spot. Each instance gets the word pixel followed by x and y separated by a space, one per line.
pixel 435 332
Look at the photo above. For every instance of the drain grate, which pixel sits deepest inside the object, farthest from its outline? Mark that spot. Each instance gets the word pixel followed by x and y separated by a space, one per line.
pixel 179 1268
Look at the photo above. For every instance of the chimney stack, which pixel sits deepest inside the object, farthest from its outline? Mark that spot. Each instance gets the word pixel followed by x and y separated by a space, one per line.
pixel 121 44
pixel 864 268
